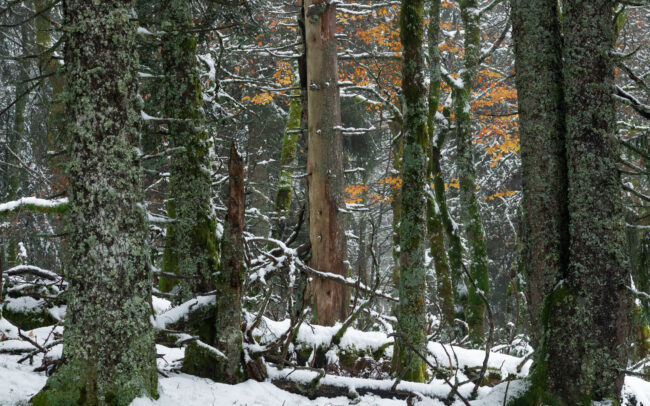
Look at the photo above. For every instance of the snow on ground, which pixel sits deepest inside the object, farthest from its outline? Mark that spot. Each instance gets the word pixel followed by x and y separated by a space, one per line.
pixel 18 382
pixel 188 390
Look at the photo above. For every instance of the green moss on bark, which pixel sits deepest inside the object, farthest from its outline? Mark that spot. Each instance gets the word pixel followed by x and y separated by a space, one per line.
pixel 411 310
pixel 467 174
pixel 192 247
pixel 108 340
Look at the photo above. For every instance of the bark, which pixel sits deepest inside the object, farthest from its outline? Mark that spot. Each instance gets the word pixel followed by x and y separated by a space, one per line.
pixel 287 161
pixel 435 195
pixel 192 247
pixel 589 366
pixel 574 366
pixel 325 163
pixel 538 62
pixel 411 310
pixel 467 174
pixel 231 274
pixel 108 340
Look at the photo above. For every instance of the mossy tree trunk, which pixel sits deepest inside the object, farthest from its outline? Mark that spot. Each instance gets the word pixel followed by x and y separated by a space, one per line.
pixel 411 311
pixel 585 313
pixel 471 215
pixel 325 163
pixel 108 341
pixel 586 365
pixel 288 159
pixel 538 62
pixel 437 192
pixel 192 247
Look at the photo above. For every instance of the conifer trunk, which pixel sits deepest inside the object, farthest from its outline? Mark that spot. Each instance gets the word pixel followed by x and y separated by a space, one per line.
pixel 589 364
pixel 192 247
pixel 538 62
pixel 411 310
pixel 325 163
pixel 108 340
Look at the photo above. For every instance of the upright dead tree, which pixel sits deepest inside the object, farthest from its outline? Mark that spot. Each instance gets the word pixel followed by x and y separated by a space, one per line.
pixel 325 163
pixel 108 341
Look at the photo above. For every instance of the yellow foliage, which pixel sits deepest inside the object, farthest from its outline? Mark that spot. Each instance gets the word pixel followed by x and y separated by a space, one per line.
pixel 503 193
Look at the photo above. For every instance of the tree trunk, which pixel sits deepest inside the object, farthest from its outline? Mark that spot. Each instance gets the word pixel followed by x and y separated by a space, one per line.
pixel 411 311
pixel 325 163
pixel 192 247
pixel 434 209
pixel 538 62
pixel 589 364
pixel 108 341
pixel 288 160
pixel 467 174
pixel 231 274
pixel 49 66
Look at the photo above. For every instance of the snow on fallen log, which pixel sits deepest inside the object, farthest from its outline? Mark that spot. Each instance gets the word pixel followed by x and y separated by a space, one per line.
pixel 182 312
pixel 313 384
pixel 32 270
pixel 34 204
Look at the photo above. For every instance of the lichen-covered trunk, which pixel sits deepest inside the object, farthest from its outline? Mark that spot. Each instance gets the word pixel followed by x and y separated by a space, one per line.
pixel 192 248
pixel 471 215
pixel 585 365
pixel 538 62
pixel 231 273
pixel 108 341
pixel 325 163
pixel 411 310
pixel 434 209
pixel 287 160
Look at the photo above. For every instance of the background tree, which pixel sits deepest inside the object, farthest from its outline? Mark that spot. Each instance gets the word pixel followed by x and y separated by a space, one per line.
pixel 325 163
pixel 411 311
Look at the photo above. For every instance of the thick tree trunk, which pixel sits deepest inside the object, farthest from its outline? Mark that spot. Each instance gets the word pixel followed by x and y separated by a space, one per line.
pixel 411 311
pixel 325 163
pixel 538 62
pixel 587 291
pixel 108 341
pixel 192 248
pixel 467 174
pixel 589 364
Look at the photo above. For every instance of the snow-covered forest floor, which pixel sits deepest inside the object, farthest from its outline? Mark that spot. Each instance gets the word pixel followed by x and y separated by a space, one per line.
pixel 21 376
